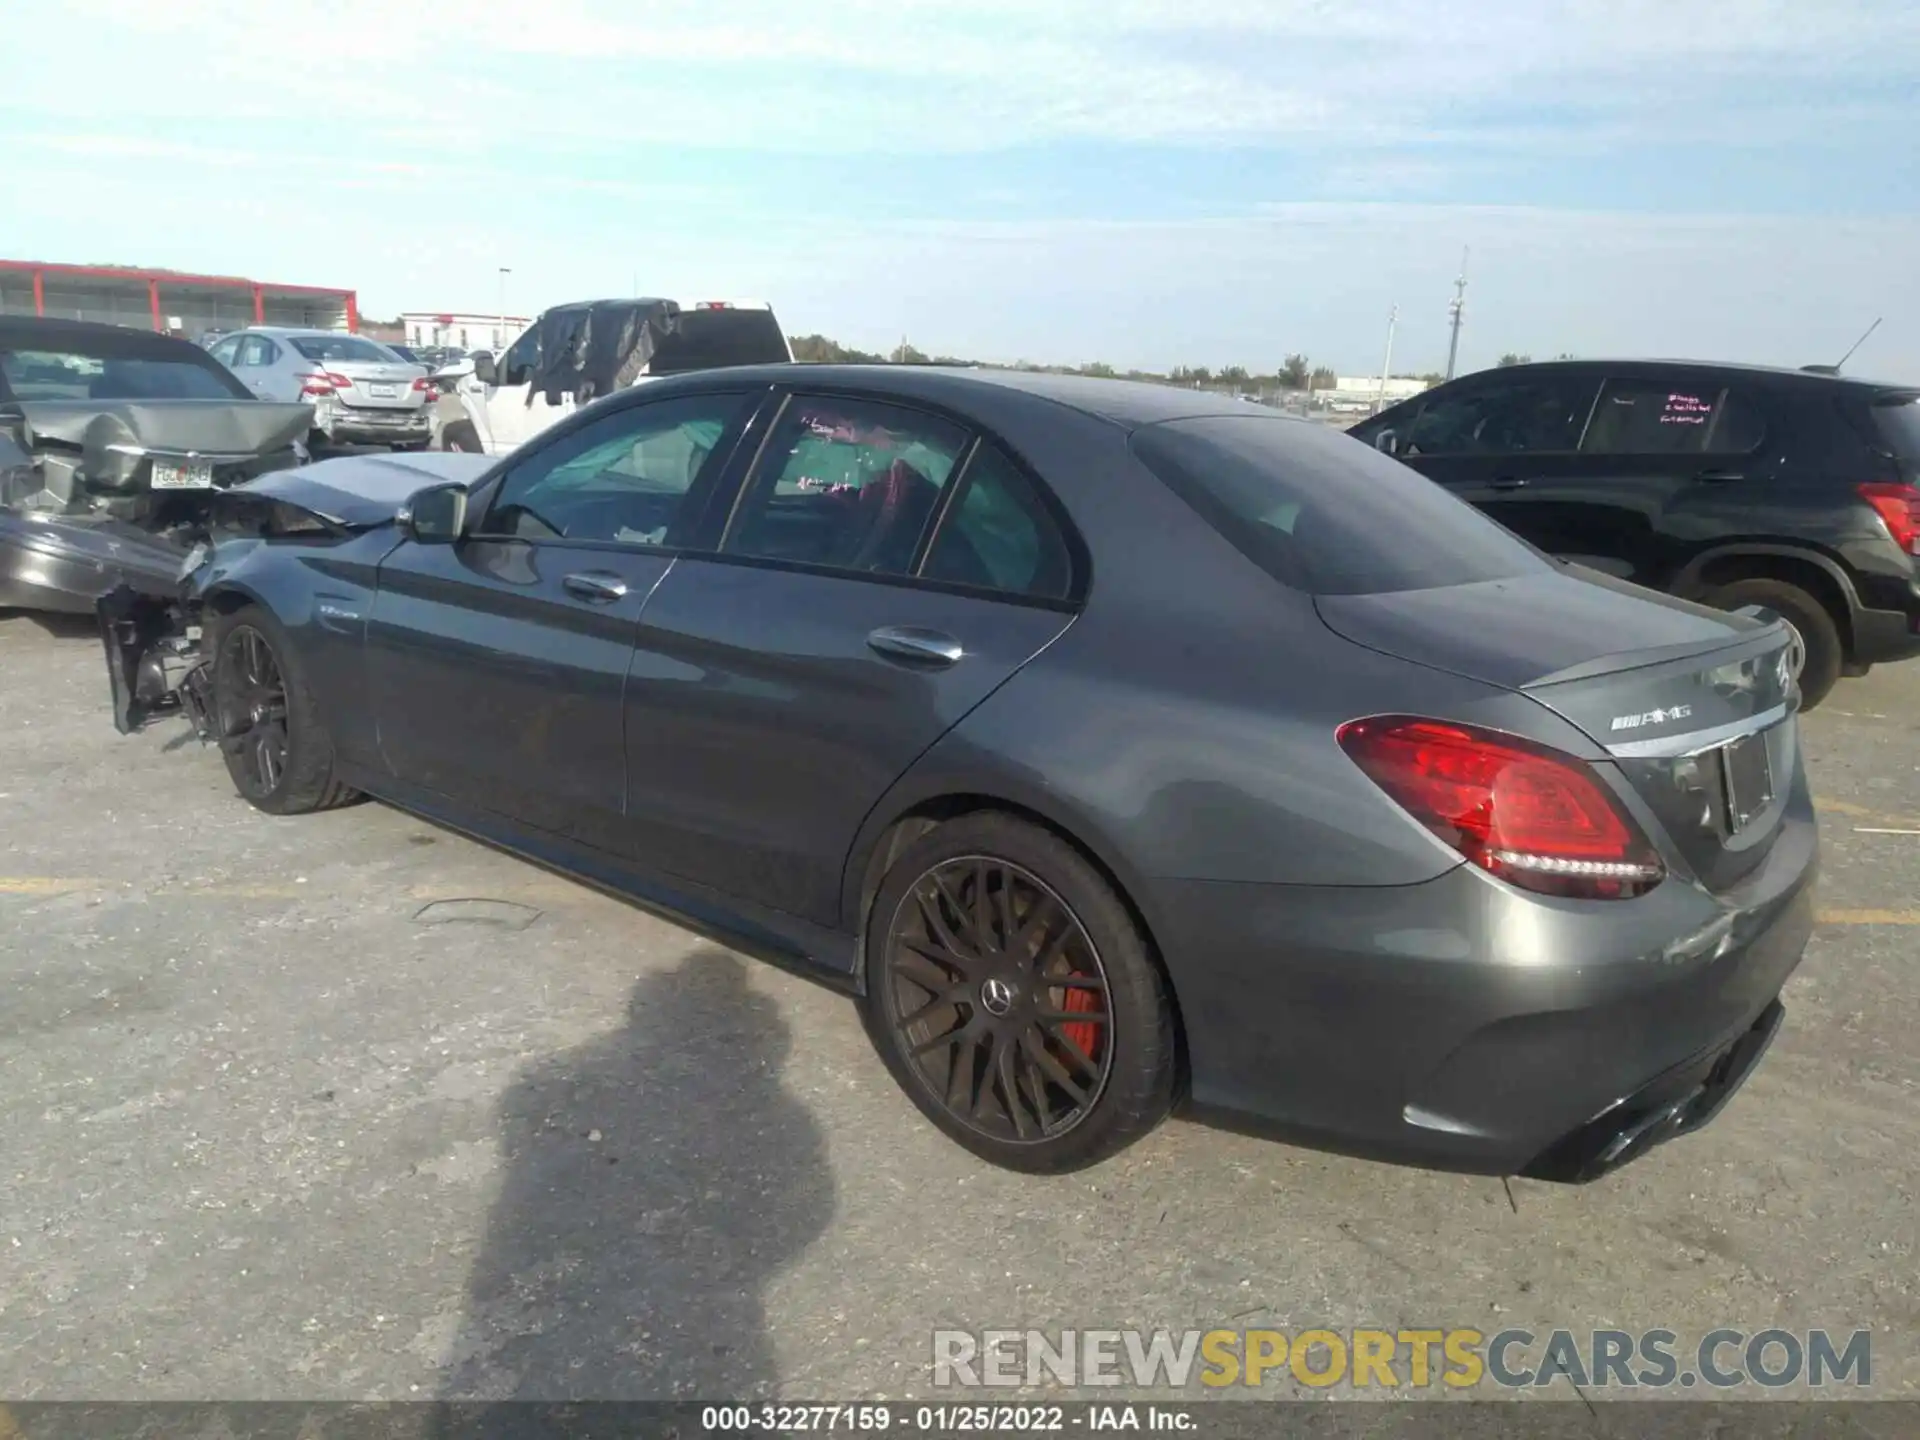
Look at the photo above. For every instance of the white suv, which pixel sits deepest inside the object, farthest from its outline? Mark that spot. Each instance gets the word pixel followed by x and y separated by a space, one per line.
pixel 573 354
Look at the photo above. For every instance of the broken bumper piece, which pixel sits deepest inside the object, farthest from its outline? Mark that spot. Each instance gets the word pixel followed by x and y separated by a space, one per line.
pixel 154 664
pixel 65 564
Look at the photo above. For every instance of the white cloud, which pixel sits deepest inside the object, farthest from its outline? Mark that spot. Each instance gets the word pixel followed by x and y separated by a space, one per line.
pixel 851 75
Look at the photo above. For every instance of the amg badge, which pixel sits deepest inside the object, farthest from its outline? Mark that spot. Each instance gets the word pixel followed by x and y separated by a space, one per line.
pixel 1651 717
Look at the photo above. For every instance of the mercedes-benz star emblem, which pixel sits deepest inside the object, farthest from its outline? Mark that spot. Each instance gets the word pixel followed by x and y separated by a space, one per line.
pixel 997 996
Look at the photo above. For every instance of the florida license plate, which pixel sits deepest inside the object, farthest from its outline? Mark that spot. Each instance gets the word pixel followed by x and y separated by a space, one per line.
pixel 1747 768
pixel 181 475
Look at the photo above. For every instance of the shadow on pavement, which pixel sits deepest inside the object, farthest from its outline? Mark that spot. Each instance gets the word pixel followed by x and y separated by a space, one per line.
pixel 657 1179
pixel 59 626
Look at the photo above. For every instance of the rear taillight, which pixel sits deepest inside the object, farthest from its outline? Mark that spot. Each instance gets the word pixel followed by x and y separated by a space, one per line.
pixel 338 381
pixel 1538 819
pixel 422 384
pixel 315 386
pixel 1899 506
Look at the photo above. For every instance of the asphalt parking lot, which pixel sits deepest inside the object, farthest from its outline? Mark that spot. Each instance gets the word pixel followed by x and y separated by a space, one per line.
pixel 348 1107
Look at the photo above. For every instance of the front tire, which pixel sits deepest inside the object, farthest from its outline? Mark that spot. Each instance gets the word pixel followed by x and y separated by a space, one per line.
pixel 1819 632
pixel 277 751
pixel 1013 997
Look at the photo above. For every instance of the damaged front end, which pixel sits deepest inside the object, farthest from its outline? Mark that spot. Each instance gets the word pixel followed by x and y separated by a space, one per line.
pixel 154 661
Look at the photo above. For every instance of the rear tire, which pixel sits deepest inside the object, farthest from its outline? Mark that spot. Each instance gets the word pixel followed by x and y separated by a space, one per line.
pixel 277 752
pixel 461 436
pixel 1819 632
pixel 1064 1049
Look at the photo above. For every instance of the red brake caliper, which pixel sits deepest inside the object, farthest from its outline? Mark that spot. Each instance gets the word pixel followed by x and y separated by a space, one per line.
pixel 1084 1035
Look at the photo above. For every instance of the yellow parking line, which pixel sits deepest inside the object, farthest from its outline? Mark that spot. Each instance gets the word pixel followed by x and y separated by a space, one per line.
pixel 1868 917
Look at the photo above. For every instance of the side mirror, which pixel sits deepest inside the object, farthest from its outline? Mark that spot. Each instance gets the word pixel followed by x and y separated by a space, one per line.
pixel 435 515
pixel 1387 442
pixel 483 370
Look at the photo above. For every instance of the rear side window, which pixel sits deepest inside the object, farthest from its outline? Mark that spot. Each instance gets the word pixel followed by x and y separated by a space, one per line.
pixel 1530 415
pixel 1324 513
pixel 999 535
pixel 1897 419
pixel 1651 417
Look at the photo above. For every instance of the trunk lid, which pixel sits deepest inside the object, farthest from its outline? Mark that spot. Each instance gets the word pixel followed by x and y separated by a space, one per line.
pixel 1693 707
pixel 379 387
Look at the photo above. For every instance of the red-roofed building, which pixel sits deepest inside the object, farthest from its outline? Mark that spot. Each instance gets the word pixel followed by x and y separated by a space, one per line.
pixel 170 301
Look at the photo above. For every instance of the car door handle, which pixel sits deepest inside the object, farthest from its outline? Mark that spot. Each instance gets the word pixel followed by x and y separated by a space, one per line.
pixel 910 642
pixel 1719 477
pixel 1508 482
pixel 595 585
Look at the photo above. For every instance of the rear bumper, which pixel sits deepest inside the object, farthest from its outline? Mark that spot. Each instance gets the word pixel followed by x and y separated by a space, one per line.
pixel 1880 636
pixel 377 426
pixel 1461 1025
pixel 65 566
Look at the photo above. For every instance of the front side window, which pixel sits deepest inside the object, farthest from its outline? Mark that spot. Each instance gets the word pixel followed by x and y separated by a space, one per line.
pixel 999 535
pixel 849 484
pixel 1539 414
pixel 1325 514
pixel 622 480
pixel 1653 417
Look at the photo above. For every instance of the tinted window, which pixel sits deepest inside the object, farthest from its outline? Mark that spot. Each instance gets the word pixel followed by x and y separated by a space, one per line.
pixel 622 479
pixel 225 350
pixel 340 347
pixel 708 339
pixel 1533 413
pixel 1323 513
pixel 1898 421
pixel 1652 417
pixel 846 483
pixel 66 375
pixel 1000 535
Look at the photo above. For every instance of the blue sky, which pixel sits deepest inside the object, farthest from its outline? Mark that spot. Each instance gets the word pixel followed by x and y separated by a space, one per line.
pixel 1148 182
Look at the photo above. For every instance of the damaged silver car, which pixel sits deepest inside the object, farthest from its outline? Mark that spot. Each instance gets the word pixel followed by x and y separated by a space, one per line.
pixel 113 444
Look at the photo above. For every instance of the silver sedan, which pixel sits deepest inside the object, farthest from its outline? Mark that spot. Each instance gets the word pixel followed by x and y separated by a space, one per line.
pixel 360 390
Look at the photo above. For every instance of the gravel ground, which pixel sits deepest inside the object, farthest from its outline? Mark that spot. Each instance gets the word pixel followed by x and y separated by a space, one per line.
pixel 347 1107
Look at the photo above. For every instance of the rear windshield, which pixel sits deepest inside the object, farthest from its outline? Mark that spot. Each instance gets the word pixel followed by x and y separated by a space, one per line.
pixel 1324 513
pixel 340 347
pixel 1898 420
pixel 69 375
pixel 709 339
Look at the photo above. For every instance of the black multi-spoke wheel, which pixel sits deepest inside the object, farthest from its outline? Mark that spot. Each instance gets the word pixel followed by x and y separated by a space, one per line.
pixel 276 749
pixel 253 708
pixel 1012 995
pixel 1000 998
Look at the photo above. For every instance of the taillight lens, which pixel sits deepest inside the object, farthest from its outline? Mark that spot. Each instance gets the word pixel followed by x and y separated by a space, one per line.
pixel 1537 818
pixel 1899 506
pixel 339 382
pixel 422 384
pixel 315 386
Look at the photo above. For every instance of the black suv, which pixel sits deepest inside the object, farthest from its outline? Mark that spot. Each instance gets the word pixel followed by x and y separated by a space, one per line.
pixel 1791 490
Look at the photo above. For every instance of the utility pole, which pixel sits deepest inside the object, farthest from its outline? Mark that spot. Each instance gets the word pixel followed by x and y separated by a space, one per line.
pixel 1386 365
pixel 503 339
pixel 1456 310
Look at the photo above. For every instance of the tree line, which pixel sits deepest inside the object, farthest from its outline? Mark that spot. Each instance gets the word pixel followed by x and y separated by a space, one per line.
pixel 1295 372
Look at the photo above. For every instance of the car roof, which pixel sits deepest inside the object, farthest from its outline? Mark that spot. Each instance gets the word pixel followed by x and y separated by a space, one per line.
pixel 1127 403
pixel 27 331
pixel 1645 364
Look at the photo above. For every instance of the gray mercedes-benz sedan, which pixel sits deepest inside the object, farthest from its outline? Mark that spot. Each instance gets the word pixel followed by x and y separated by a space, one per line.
pixel 1120 748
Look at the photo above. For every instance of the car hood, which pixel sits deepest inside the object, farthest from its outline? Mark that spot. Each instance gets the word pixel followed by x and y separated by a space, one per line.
pixel 361 491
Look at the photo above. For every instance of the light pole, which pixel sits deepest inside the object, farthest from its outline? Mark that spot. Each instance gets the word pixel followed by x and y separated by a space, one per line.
pixel 1456 310
pixel 1386 365
pixel 500 335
